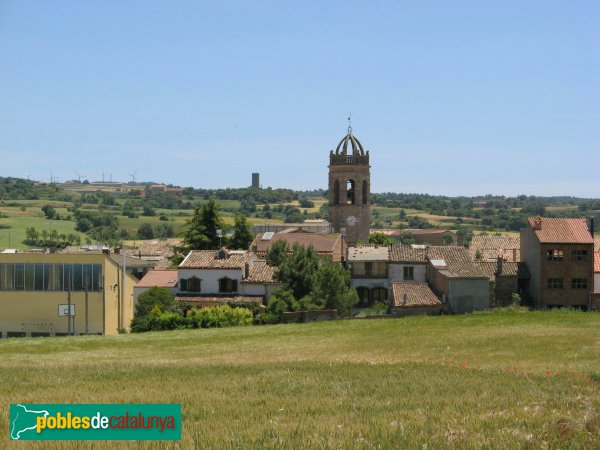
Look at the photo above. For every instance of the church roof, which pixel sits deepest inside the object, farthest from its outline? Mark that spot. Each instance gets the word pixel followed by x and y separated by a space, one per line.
pixel 349 151
pixel 350 142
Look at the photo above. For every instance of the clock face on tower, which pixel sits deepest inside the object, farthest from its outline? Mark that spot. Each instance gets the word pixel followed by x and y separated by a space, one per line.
pixel 351 221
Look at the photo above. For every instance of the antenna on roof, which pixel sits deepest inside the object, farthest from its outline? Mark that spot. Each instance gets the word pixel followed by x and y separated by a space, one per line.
pixel 349 123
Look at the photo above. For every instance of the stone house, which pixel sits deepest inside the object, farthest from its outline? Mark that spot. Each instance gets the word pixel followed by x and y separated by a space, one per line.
pixel 209 277
pixel 330 246
pixel 506 278
pixel 453 276
pixel 559 253
pixel 368 266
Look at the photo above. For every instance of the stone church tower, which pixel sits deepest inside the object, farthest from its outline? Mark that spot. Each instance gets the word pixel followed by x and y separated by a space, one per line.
pixel 349 189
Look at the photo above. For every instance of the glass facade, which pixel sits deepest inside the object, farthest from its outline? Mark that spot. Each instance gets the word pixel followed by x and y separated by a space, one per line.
pixel 50 277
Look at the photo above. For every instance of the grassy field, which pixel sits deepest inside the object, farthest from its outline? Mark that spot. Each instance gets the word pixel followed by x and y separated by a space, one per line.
pixel 19 220
pixel 492 380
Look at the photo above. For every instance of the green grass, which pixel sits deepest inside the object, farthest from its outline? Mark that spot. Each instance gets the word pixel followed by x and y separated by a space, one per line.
pixel 472 381
pixel 19 221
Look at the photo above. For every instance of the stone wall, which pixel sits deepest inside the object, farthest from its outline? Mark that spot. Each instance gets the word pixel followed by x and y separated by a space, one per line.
pixel 310 316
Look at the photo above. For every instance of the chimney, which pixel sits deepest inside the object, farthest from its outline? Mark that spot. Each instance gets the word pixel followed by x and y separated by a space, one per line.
pixel 499 267
pixel 514 255
pixel 537 223
pixel 592 227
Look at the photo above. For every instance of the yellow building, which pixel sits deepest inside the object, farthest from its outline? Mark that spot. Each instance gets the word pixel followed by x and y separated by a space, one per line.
pixel 38 290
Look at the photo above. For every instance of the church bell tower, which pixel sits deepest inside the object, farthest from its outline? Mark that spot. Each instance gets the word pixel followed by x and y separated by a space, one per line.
pixel 349 189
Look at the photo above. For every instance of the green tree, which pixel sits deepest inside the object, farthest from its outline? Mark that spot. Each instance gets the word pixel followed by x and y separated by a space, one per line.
pixel 297 270
pixel 380 239
pixel 331 288
pixel 202 232
pixel 157 299
pixel 164 230
pixel 31 236
pixel 276 253
pixel 282 301
pixel 242 236
pixel 49 211
pixel 145 231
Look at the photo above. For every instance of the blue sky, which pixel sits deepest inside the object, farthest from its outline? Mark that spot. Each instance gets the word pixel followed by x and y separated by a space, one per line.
pixel 450 97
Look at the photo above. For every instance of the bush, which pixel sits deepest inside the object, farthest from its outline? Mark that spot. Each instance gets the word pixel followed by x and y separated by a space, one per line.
pixel 270 319
pixel 377 309
pixel 219 316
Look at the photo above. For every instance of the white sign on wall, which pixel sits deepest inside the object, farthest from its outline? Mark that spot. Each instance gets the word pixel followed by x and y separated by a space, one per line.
pixel 63 310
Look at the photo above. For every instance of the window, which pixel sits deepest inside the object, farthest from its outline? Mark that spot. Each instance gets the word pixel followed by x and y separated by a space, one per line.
pixel 227 285
pixel 19 277
pixel 409 273
pixel 579 283
pixel 555 283
pixel 39 277
pixel 579 255
pixel 363 296
pixel 193 284
pixel 350 191
pixel 555 255
pixel 379 294
pixel 183 285
pixel 29 277
pixel 50 277
pixel 77 277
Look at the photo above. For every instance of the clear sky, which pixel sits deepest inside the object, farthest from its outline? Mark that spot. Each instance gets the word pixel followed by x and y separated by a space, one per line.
pixel 450 97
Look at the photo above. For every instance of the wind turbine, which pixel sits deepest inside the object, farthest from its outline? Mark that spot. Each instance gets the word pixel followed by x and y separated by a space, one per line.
pixel 132 175
pixel 52 178
pixel 28 175
pixel 79 176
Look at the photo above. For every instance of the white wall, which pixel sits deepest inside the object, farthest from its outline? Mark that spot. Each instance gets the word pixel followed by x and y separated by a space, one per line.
pixel 396 272
pixel 210 278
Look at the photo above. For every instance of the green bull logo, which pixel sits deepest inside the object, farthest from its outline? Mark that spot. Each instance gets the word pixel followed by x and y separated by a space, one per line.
pixel 95 422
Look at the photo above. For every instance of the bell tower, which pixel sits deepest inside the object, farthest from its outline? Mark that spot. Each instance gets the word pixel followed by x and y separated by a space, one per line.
pixel 349 189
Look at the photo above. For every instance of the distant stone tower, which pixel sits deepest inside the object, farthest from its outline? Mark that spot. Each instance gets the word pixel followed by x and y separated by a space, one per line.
pixel 349 189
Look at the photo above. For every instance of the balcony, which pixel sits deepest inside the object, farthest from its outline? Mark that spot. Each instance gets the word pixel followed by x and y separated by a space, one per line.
pixel 373 273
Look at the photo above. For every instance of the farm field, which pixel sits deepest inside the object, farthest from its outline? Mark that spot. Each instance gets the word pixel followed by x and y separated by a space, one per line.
pixel 500 379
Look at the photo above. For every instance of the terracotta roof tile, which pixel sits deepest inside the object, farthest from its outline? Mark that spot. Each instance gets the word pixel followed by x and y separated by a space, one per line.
pixel 490 247
pixel 406 253
pixel 457 261
pixel 209 259
pixel 212 300
pixel 159 278
pixel 322 243
pixel 261 272
pixel 562 230
pixel 509 268
pixel 409 294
